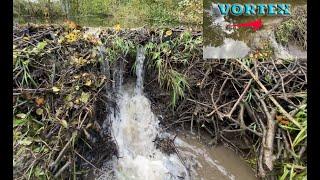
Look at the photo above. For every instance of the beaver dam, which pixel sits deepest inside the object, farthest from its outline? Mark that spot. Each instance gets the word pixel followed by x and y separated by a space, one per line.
pixel 115 103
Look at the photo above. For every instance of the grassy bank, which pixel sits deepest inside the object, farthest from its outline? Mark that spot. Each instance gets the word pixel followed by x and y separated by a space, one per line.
pixel 124 12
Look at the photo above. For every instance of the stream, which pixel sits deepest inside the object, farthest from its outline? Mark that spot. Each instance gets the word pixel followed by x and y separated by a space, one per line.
pixel 135 128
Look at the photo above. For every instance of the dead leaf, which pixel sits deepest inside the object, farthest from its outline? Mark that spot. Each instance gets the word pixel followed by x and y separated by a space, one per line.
pixel 39 111
pixel 168 33
pixel 39 101
pixel 55 89
pixel 88 82
pixel 21 116
pixel 64 123
pixel 282 120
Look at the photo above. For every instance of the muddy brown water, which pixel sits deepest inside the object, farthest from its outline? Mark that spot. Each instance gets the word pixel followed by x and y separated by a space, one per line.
pixel 212 163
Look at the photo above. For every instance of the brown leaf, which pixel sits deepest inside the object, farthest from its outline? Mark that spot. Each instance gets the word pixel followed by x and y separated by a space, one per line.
pixel 40 101
pixel 282 120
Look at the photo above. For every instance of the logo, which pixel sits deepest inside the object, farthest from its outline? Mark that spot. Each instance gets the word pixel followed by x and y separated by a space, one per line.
pixel 250 9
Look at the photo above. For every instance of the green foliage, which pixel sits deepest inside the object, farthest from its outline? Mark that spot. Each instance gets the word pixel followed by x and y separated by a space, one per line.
pixel 119 47
pixel 176 82
pixel 294 29
pixel 93 7
pixel 21 71
pixel 167 56
pixel 293 172
pixel 296 168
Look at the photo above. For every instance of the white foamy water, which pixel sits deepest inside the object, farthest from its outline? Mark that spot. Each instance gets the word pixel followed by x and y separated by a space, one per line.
pixel 229 49
pixel 135 127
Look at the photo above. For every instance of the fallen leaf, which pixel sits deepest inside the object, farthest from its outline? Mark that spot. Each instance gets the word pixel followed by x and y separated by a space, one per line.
pixel 39 111
pixel 21 116
pixel 76 76
pixel 84 97
pixel 282 120
pixel 39 101
pixel 168 33
pixel 55 89
pixel 64 123
pixel 88 82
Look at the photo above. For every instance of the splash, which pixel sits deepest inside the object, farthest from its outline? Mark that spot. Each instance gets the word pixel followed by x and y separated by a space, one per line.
pixel 135 128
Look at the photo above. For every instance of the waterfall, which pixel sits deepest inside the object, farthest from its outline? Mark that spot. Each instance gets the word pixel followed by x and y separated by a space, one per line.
pixel 134 128
pixel 139 70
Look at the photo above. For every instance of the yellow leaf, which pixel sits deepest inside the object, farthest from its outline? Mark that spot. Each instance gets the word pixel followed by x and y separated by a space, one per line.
pixel 117 27
pixel 76 76
pixel 26 38
pixel 64 123
pixel 55 89
pixel 88 82
pixel 168 33
pixel 72 37
pixel 39 111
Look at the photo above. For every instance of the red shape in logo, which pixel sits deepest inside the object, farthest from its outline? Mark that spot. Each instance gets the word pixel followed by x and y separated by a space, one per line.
pixel 255 25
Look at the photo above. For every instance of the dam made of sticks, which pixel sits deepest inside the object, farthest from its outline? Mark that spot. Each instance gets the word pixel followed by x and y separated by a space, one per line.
pixel 104 102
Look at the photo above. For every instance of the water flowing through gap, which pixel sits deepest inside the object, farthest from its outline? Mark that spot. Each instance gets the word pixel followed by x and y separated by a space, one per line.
pixel 135 128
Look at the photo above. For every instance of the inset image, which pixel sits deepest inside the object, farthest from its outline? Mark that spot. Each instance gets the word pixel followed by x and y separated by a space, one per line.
pixel 241 29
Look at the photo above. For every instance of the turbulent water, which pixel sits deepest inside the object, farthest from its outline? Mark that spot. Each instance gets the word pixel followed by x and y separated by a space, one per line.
pixel 135 128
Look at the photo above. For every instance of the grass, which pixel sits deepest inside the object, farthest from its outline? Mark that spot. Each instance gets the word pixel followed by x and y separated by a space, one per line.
pixel 166 57
pixel 119 46
pixel 295 167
